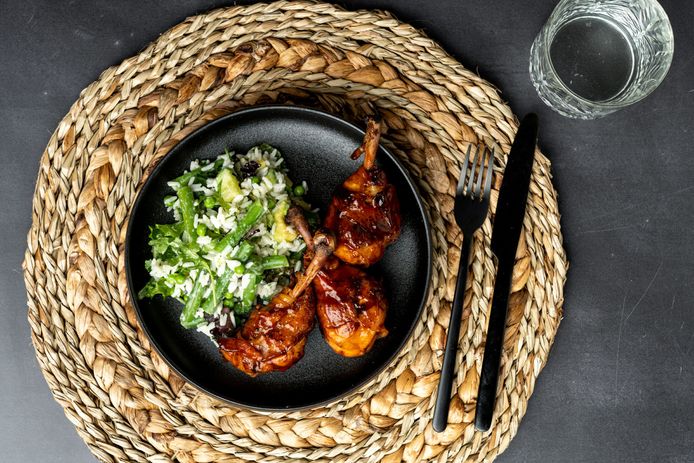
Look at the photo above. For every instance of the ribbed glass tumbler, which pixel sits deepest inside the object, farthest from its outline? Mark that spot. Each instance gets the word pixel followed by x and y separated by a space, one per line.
pixel 593 57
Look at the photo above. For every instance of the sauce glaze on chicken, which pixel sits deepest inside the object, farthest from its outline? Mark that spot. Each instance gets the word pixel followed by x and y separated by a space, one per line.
pixel 364 212
pixel 362 220
pixel 351 304
pixel 274 336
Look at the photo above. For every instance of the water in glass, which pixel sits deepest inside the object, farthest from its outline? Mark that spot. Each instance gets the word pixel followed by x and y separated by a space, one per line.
pixel 594 57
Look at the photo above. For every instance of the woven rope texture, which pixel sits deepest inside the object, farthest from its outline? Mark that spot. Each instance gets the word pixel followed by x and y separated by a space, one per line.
pixel 124 401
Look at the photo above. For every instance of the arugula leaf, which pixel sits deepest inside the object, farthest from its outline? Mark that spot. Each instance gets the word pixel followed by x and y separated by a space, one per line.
pixel 153 288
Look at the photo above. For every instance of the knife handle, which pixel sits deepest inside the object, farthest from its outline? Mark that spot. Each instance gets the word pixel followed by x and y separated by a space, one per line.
pixel 443 395
pixel 486 392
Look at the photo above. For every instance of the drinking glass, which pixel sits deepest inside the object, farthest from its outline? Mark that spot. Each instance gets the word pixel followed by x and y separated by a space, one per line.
pixel 593 57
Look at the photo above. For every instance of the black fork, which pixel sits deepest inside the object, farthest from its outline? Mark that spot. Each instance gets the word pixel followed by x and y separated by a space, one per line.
pixel 470 210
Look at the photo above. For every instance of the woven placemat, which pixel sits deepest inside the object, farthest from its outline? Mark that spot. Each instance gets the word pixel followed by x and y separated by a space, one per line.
pixel 125 402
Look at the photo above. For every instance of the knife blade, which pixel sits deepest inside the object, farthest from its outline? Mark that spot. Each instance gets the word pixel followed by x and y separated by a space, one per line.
pixel 508 221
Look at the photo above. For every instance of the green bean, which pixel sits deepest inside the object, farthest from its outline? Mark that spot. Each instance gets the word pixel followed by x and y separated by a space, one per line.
pixel 188 318
pixel 218 292
pixel 185 178
pixel 249 293
pixel 273 262
pixel 243 252
pixel 233 237
pixel 185 197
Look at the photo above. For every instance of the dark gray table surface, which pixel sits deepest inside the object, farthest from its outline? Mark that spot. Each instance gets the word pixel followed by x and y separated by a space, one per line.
pixel 619 384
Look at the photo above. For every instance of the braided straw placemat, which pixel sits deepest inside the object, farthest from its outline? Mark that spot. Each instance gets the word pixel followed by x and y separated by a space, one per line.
pixel 125 402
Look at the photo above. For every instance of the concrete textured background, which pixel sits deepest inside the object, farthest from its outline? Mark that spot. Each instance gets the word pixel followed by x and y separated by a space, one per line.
pixel 619 385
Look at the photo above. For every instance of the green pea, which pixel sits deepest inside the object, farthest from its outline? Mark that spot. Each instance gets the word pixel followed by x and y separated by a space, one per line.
pixel 210 202
pixel 239 270
pixel 299 190
pixel 201 229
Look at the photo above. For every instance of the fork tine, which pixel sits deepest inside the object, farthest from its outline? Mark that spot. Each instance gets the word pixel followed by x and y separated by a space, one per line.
pixel 480 175
pixel 489 174
pixel 463 173
pixel 468 188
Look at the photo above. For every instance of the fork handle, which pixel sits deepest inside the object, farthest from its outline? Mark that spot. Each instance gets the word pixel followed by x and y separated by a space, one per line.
pixel 443 395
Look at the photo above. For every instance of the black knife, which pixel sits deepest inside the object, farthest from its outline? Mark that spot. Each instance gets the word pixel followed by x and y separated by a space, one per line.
pixel 510 209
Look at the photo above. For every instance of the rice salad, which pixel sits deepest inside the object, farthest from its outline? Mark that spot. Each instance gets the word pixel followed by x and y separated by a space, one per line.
pixel 229 247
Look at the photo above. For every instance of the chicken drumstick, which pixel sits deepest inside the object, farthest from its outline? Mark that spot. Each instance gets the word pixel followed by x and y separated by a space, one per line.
pixel 364 212
pixel 351 304
pixel 274 336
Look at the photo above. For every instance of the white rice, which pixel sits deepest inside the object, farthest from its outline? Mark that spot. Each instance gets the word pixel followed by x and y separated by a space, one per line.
pixel 223 221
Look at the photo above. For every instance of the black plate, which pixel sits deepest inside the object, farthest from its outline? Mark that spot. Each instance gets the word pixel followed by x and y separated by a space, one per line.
pixel 316 147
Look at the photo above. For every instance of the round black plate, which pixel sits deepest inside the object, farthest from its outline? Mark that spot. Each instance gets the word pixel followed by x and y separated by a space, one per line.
pixel 316 147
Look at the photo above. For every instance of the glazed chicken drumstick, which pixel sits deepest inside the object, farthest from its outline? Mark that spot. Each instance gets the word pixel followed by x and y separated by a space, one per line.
pixel 364 212
pixel 274 336
pixel 351 304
